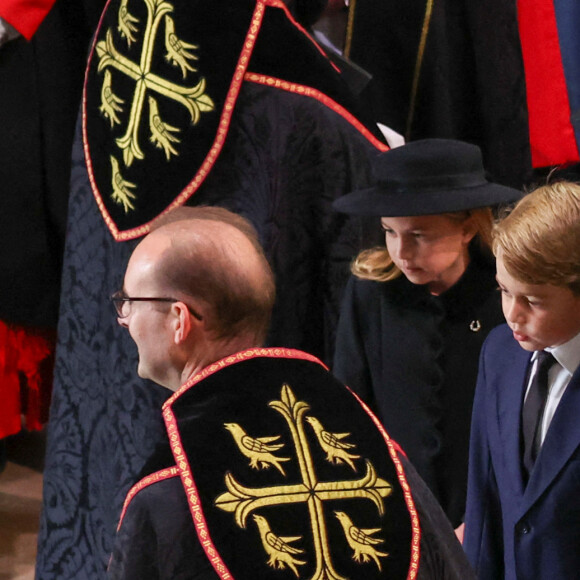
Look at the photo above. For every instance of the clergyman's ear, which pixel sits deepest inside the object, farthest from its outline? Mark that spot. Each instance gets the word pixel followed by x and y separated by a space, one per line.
pixel 182 322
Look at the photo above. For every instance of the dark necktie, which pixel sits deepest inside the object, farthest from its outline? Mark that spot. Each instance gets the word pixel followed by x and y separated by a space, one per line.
pixel 533 409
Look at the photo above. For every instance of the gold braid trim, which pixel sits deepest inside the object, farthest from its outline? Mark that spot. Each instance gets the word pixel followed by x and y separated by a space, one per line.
pixel 418 64
pixel 349 28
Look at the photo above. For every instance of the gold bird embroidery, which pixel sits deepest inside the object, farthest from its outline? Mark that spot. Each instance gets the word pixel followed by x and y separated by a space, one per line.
pixel 278 547
pixel 161 133
pixel 336 449
pixel 122 193
pixel 110 102
pixel 178 50
pixel 360 540
pixel 127 22
pixel 257 449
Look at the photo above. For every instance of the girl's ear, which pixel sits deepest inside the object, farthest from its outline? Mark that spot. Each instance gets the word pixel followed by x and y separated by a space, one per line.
pixel 469 230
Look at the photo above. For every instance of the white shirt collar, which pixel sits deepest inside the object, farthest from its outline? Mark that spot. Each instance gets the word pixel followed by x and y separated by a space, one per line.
pixel 568 354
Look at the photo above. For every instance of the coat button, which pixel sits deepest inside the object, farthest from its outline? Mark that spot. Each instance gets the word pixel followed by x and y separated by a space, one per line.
pixel 523 528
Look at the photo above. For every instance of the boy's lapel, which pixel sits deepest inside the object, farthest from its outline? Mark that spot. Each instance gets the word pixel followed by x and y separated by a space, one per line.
pixel 561 441
pixel 509 416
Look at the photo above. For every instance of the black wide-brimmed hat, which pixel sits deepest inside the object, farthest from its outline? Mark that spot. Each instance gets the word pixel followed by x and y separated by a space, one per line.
pixel 426 177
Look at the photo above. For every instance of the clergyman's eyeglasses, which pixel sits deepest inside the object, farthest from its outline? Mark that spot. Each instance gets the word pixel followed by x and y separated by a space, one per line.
pixel 122 303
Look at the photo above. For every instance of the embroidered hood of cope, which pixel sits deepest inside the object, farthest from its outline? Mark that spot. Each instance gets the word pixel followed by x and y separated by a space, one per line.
pixel 299 482
pixel 162 81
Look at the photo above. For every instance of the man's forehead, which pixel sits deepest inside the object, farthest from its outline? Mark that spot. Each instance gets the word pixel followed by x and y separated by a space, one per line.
pixel 145 257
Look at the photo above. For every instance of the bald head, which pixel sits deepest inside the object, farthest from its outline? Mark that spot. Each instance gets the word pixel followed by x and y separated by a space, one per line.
pixel 210 258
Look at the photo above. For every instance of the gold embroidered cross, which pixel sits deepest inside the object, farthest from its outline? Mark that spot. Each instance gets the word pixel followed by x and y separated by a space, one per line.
pixel 178 53
pixel 242 501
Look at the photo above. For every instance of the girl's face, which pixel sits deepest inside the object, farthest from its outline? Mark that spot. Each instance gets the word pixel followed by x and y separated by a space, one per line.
pixel 431 249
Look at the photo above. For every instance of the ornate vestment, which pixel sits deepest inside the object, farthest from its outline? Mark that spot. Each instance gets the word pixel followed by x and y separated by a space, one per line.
pixel 278 466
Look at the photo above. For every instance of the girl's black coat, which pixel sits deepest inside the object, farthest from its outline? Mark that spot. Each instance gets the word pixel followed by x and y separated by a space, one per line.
pixel 413 357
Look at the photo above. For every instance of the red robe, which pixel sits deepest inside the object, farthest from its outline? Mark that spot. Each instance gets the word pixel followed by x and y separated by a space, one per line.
pixel 25 15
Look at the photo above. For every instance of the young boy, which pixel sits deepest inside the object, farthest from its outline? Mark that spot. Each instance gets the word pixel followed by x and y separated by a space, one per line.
pixel 523 504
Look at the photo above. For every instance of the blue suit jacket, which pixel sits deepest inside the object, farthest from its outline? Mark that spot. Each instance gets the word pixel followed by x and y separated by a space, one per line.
pixel 512 530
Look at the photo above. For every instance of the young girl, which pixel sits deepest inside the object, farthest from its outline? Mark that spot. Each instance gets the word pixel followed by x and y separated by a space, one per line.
pixel 416 311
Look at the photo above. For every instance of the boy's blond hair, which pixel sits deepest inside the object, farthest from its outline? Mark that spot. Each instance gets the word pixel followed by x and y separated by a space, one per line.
pixel 376 263
pixel 539 240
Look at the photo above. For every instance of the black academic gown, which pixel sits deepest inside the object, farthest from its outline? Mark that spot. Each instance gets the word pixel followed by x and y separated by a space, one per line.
pixel 40 88
pixel 450 69
pixel 413 357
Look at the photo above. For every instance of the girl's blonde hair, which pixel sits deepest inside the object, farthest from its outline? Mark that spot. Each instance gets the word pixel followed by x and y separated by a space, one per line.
pixel 376 263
